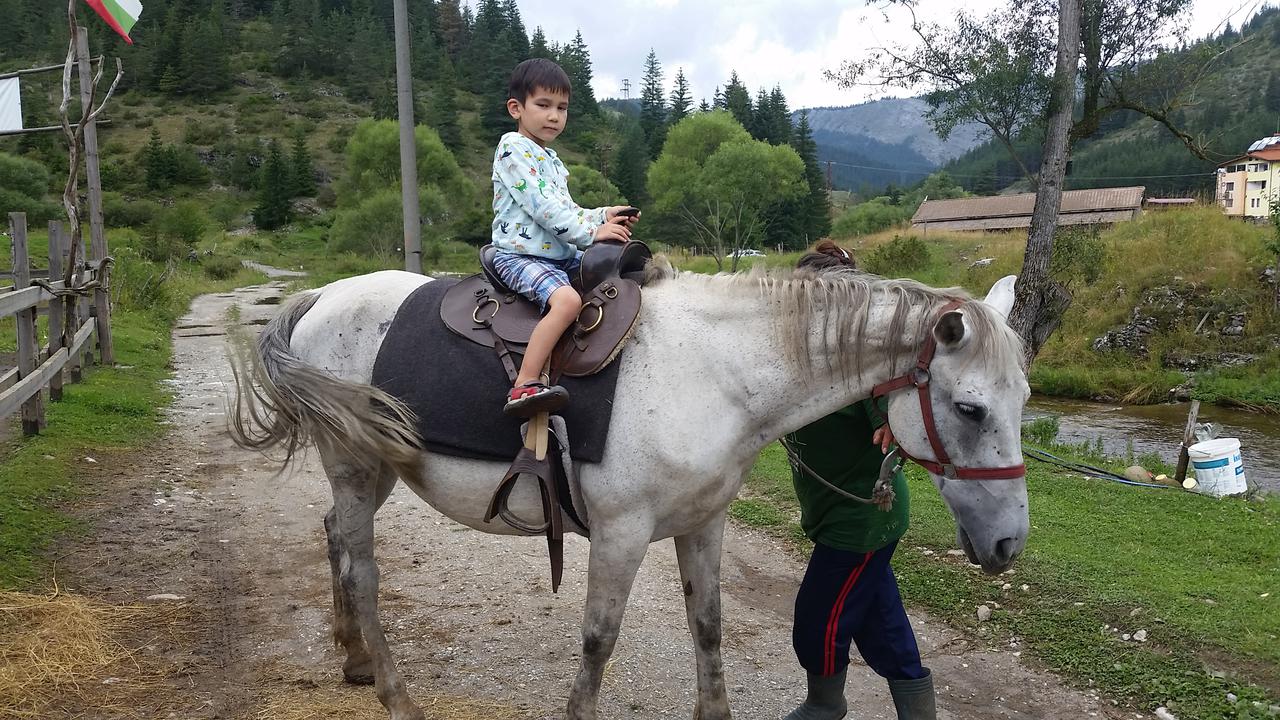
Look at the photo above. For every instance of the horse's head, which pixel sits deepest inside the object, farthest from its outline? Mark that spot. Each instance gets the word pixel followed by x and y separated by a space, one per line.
pixel 975 390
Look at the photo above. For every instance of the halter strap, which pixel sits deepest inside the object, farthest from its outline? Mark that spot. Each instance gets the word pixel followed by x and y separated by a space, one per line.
pixel 919 377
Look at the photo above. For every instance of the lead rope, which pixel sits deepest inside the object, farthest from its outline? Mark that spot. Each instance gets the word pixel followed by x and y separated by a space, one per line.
pixel 882 495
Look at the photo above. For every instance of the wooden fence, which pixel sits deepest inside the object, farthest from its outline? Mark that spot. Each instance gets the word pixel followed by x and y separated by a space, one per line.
pixel 43 366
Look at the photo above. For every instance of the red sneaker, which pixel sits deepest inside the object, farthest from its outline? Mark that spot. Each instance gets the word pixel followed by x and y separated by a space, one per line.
pixel 527 400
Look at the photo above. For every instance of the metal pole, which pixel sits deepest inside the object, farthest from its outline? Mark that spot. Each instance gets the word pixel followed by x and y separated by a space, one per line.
pixel 408 148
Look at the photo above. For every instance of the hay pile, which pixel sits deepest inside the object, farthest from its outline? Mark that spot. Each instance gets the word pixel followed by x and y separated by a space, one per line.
pixel 60 649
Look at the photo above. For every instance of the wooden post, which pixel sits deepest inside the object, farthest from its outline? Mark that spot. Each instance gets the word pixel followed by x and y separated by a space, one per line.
pixel 28 346
pixel 1188 439
pixel 55 305
pixel 98 239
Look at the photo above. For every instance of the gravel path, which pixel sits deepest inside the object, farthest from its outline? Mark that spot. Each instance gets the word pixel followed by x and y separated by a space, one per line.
pixel 468 614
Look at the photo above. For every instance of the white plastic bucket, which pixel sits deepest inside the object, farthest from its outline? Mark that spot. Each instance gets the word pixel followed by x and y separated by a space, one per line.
pixel 1219 468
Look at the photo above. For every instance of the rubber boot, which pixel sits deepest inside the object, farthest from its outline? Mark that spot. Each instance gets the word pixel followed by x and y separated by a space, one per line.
pixel 914 699
pixel 825 700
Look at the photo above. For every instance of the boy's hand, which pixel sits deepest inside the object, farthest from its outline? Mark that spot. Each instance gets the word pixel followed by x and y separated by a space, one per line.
pixel 613 232
pixel 622 214
pixel 883 437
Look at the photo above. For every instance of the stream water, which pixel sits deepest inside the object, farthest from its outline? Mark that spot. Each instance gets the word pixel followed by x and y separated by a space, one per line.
pixel 1158 429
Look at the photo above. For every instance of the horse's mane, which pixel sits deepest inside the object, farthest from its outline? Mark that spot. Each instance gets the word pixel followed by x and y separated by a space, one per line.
pixel 840 300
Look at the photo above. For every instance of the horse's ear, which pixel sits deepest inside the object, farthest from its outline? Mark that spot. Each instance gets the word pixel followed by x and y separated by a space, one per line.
pixel 1001 295
pixel 949 331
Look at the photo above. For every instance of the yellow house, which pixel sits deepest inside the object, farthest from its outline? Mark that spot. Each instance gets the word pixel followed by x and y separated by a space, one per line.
pixel 1247 184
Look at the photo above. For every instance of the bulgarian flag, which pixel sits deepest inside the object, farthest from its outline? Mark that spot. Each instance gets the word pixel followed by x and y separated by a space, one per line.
pixel 119 14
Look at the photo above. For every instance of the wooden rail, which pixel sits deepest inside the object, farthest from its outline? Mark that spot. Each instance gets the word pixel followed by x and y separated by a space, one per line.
pixel 21 389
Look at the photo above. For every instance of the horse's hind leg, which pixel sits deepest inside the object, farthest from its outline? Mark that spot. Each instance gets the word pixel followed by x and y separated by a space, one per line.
pixel 616 553
pixel 699 556
pixel 358 489
pixel 358 667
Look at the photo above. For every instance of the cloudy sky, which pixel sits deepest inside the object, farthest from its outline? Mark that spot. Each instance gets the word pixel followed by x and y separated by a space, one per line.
pixel 786 42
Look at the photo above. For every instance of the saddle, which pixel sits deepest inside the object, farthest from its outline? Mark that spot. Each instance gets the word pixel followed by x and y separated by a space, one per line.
pixel 482 309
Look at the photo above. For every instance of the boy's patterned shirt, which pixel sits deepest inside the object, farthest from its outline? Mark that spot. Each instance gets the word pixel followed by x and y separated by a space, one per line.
pixel 533 213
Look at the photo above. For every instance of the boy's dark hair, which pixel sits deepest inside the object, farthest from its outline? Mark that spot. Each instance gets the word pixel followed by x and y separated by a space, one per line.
pixel 538 73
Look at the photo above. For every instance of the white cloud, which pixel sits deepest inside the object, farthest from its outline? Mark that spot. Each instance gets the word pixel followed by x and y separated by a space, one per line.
pixel 784 42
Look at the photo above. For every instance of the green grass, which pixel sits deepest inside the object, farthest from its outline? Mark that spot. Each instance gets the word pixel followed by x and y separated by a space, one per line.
pixel 1190 570
pixel 113 411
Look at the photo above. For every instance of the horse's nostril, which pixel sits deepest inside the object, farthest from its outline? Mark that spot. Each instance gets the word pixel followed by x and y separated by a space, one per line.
pixel 1005 551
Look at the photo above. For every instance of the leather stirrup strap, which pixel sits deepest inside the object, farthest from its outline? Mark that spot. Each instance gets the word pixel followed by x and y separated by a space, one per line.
pixel 540 470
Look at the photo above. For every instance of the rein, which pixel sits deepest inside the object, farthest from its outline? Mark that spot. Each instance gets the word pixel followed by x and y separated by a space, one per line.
pixel 882 495
pixel 918 377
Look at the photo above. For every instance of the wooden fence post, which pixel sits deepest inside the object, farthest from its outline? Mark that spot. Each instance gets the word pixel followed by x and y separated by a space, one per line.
pixel 98 239
pixel 55 305
pixel 28 347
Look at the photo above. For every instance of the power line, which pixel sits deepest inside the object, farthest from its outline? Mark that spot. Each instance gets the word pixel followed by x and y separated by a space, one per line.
pixel 1012 177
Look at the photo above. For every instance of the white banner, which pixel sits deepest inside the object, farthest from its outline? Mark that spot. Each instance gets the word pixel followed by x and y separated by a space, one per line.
pixel 10 105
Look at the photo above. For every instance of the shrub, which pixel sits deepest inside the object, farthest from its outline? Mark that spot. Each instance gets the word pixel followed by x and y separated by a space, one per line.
pixel 869 217
pixel 220 267
pixel 375 226
pixel 899 256
pixel 117 211
pixel 204 132
pixel 185 222
pixel 1041 431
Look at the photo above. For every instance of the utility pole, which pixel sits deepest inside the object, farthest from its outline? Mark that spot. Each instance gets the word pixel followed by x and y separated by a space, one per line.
pixel 626 89
pixel 408 146
pixel 828 176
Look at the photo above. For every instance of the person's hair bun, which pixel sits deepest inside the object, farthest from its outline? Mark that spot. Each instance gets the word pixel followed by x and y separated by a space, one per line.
pixel 826 255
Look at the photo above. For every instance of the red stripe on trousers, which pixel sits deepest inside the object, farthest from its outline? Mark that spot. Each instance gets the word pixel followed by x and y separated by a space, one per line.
pixel 829 644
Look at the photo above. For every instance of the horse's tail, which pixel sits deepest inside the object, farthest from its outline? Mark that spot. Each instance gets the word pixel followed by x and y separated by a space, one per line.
pixel 282 401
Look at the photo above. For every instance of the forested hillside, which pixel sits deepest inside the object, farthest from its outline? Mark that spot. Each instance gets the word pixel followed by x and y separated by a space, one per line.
pixel 1236 102
pixel 254 114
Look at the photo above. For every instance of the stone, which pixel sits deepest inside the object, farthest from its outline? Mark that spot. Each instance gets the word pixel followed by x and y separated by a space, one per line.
pixel 984 613
pixel 984 262
pixel 1137 473
pixel 165 597
pixel 1140 636
pixel 1164 714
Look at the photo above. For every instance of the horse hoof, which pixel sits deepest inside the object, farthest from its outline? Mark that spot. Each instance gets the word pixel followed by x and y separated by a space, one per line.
pixel 358 672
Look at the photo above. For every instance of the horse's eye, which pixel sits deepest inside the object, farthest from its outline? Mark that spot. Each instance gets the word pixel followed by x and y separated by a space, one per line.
pixel 976 413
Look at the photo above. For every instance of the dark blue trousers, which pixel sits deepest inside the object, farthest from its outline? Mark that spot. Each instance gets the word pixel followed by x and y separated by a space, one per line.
pixel 847 598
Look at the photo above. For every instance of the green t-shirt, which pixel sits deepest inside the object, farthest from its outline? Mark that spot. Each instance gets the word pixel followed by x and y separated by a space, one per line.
pixel 838 447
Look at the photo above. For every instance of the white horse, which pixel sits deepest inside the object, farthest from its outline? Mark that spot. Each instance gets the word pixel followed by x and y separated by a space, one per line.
pixel 718 368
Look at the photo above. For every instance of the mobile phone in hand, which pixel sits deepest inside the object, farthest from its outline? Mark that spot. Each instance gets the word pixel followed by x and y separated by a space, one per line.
pixel 628 212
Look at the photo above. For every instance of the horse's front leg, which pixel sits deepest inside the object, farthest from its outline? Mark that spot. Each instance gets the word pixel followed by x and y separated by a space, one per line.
pixel 617 549
pixel 699 556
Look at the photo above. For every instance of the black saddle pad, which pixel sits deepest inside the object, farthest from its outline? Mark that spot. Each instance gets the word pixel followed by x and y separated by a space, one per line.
pixel 457 388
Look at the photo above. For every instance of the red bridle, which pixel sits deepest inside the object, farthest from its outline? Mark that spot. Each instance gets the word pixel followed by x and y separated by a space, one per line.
pixel 918 377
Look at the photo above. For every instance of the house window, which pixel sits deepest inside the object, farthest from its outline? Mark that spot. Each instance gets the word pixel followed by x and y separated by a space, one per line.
pixel 1254 203
pixel 1230 186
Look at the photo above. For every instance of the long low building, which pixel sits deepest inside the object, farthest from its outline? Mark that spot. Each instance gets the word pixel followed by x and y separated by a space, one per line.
pixel 1010 212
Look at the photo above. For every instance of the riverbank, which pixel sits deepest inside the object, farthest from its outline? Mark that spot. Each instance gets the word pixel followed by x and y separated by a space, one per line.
pixel 1151 597
pixel 1173 305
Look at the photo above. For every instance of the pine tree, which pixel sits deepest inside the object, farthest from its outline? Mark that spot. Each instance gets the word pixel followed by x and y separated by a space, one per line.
pixel 738 101
pixel 1272 97
pixel 302 172
pixel 631 164
pixel 818 208
pixel 444 109
pixel 576 61
pixel 426 51
pixel 680 99
pixel 538 47
pixel 653 106
pixel 779 117
pixel 205 57
pixel 704 106
pixel 717 99
pixel 487 49
pixel 518 39
pixel 759 125
pixel 273 195
pixel 157 163
pixel 451 28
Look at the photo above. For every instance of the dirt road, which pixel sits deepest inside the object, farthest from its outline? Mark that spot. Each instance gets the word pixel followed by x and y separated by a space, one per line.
pixel 471 618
